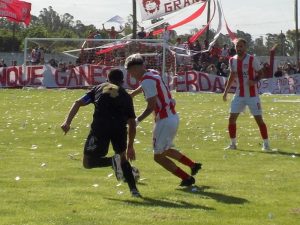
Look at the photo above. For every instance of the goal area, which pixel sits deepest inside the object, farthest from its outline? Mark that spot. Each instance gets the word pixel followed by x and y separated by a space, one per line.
pixel 78 63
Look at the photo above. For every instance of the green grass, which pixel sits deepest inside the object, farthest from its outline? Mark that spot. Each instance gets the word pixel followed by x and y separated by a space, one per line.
pixel 246 186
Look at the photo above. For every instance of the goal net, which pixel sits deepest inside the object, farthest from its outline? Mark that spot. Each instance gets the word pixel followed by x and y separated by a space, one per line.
pixel 78 63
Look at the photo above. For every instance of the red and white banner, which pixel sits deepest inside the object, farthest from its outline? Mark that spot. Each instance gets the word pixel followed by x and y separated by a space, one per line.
pixel 201 31
pixel 184 21
pixel 151 9
pixel 91 75
pixel 193 81
pixel 230 33
pixel 49 77
pixel 17 11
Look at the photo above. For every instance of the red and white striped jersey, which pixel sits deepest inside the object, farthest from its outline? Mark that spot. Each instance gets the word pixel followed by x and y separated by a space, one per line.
pixel 153 85
pixel 246 70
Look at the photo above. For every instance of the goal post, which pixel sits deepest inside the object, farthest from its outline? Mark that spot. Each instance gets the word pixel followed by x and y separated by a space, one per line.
pixel 63 54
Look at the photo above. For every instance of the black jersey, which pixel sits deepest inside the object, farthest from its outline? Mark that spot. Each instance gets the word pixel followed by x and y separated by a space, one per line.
pixel 113 106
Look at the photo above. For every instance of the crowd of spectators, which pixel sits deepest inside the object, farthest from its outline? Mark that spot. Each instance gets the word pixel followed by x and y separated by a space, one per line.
pixel 181 57
pixel 286 68
pixel 3 64
pixel 152 52
pixel 37 56
pixel 195 56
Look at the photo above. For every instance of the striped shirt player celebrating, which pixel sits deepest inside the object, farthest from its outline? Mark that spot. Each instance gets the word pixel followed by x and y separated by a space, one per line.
pixel 246 70
pixel 159 101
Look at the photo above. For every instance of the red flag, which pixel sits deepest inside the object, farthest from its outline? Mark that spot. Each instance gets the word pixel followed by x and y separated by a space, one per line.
pixel 230 33
pixel 17 11
pixel 200 32
pixel 109 49
pixel 184 21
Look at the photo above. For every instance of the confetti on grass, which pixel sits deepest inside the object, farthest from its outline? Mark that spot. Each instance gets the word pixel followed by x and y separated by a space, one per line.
pixel 34 147
pixel 110 175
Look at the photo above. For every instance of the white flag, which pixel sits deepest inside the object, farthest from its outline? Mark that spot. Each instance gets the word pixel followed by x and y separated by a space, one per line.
pixel 116 19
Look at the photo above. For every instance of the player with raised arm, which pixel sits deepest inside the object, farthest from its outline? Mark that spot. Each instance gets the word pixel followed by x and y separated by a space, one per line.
pixel 246 71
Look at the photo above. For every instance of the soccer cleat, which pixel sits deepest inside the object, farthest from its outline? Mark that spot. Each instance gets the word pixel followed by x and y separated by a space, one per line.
pixel 266 147
pixel 116 164
pixel 187 182
pixel 135 193
pixel 231 147
pixel 196 169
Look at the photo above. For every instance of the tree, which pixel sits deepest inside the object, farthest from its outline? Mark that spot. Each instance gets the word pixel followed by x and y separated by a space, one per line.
pixel 291 39
pixel 37 31
pixel 259 48
pixel 285 47
pixel 248 38
pixel 50 19
pixel 67 21
pixel 224 39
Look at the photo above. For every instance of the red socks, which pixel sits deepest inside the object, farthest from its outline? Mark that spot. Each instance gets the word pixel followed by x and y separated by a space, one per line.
pixel 232 130
pixel 263 131
pixel 181 174
pixel 186 161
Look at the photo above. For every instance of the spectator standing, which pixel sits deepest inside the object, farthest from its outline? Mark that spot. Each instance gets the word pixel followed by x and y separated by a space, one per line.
pixel 290 69
pixel 14 63
pixel 166 35
pixel 211 69
pixel 197 51
pixel 90 36
pixel 225 51
pixel 141 34
pixel 279 72
pixel 2 63
pixel 224 71
pixel 97 35
pixel 35 56
pixel 112 33
pixel 180 49
pixel 232 51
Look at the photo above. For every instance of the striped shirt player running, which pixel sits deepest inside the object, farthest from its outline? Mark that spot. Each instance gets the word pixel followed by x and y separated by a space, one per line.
pixel 246 70
pixel 160 101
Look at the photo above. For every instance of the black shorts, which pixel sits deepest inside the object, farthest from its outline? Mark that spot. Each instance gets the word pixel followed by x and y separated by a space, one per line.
pixel 97 144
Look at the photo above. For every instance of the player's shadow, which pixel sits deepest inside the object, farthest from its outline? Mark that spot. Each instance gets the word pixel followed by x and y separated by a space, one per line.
pixel 273 152
pixel 279 152
pixel 150 202
pixel 140 183
pixel 219 197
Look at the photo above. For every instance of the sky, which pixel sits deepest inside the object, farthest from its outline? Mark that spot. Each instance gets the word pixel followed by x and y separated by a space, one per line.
pixel 257 17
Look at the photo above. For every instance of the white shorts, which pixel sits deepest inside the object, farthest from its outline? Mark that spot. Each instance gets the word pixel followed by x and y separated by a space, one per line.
pixel 164 132
pixel 238 105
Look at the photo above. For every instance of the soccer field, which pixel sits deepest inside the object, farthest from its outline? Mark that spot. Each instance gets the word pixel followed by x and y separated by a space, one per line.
pixel 42 180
